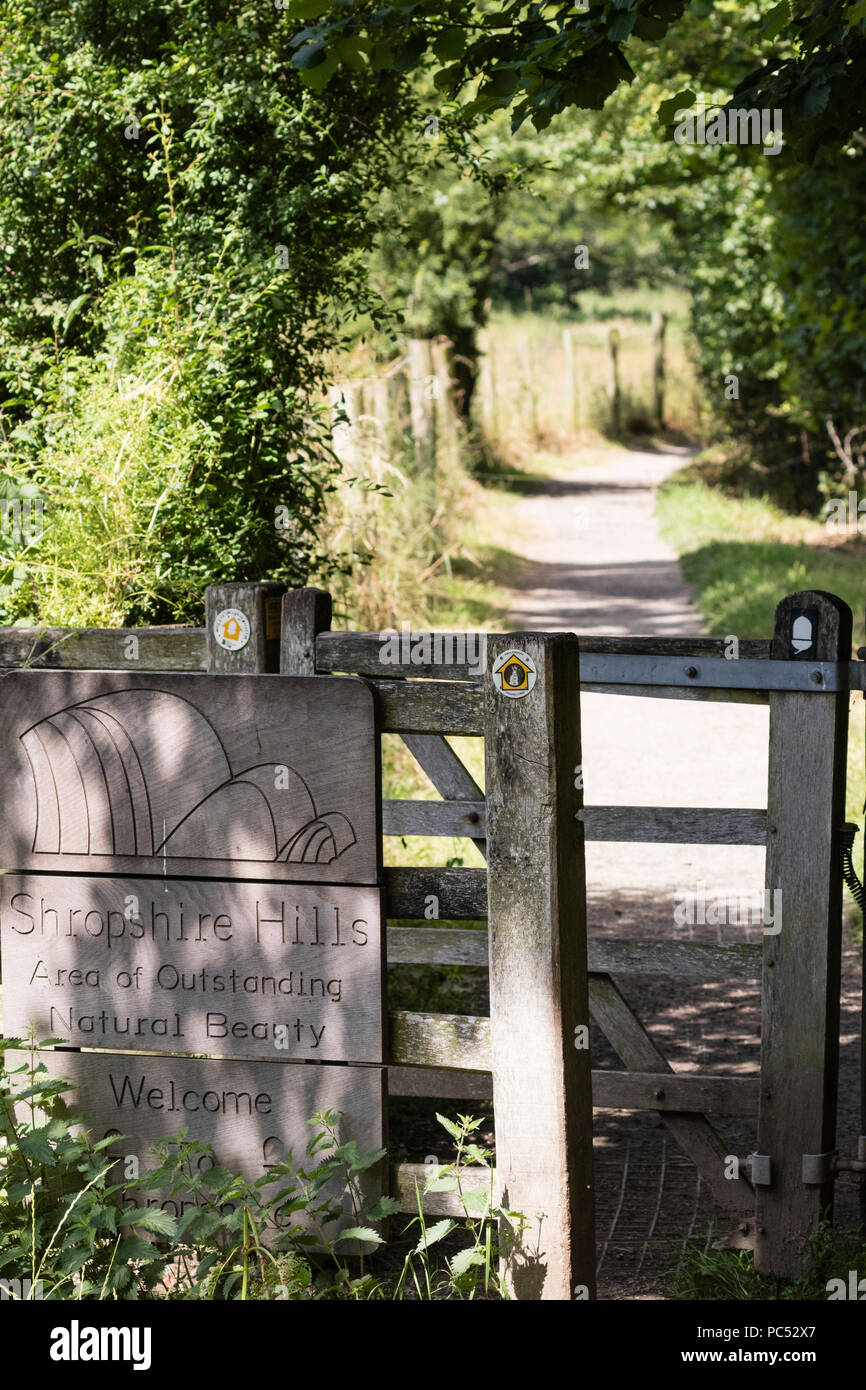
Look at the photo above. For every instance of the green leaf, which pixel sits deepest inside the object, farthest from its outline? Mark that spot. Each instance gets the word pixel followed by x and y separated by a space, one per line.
pixel 501 83
pixel 310 56
pixel 154 1219
pixel 73 309
pixel 681 102
pixel 776 20
pixel 621 27
pixel 449 77
pixel 307 9
pixel 134 1248
pixel 361 1233
pixel 36 1145
pixel 450 45
pixel 434 1233
pixel 318 76
pixel 453 1129
pixel 440 1183
pixel 477 1201
pixel 465 1259
pixel 386 1206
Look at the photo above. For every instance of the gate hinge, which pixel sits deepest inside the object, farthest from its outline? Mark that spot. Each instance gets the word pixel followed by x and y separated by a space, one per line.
pixel 760 1166
pixel 820 1168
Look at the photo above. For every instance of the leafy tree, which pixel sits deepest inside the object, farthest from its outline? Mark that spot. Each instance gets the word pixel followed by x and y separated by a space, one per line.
pixel 171 183
pixel 537 60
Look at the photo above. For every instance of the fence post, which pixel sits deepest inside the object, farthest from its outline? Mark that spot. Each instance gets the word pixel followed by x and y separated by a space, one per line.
pixel 573 392
pixel 613 389
pixel 488 378
pixel 442 352
pixel 254 633
pixel 525 350
pixel 539 1003
pixel 306 613
pixel 802 960
pixel 422 382
pixel 659 328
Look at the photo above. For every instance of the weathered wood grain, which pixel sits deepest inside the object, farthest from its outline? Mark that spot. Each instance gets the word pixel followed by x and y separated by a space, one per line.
pixel 436 946
pixel 434 818
pixel 245 777
pixel 611 1090
pixel 305 613
pixel 684 960
pixel 361 652
pixel 715 694
pixel 662 1091
pixel 538 978
pixel 802 962
pixel 255 601
pixel 452 894
pixel 408 1179
pixel 432 1081
pixel 232 969
pixel 693 1133
pixel 451 778
pixel 674 825
pixel 461 1041
pixel 104 649
pixel 252 1113
pixel 428 707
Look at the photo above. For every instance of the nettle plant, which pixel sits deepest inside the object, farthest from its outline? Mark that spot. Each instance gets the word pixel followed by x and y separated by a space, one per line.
pixel 72 1227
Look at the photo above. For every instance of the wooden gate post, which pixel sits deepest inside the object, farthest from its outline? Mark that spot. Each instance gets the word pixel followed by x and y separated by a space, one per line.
pixel 539 1004
pixel 251 627
pixel 306 613
pixel 802 960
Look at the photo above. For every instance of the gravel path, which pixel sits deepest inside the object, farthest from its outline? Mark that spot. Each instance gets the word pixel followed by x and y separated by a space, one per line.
pixel 597 564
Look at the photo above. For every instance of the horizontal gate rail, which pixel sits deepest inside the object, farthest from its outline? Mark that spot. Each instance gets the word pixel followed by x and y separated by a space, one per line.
pixel 684 960
pixel 654 825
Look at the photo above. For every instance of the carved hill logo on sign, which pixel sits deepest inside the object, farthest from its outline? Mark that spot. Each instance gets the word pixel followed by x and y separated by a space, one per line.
pixel 214 775
pixel 108 739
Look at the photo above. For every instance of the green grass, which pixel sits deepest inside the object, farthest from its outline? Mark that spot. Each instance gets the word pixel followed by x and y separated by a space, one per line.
pixel 730 1274
pixel 741 555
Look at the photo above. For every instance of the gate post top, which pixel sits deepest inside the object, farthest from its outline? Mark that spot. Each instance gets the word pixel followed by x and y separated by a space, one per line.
pixel 242 627
pixel 812 626
pixel 306 613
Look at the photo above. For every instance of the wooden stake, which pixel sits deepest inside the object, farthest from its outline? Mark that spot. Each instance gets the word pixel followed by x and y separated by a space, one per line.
pixel 422 388
pixel 659 328
pixel 613 390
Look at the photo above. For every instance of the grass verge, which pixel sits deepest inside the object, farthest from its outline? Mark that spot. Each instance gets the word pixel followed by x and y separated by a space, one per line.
pixel 741 555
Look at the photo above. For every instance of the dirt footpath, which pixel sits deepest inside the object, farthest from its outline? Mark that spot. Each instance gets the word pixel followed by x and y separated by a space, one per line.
pixel 597 564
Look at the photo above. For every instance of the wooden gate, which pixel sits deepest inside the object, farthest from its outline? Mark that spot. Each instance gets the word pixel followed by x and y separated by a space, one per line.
pixel 545 979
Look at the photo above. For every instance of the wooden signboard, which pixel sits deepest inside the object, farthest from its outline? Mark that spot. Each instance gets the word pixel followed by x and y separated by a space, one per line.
pixel 252 1113
pixel 228 776
pixel 191 864
pixel 172 965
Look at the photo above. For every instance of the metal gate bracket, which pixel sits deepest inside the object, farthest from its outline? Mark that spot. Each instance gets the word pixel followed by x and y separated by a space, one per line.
pixel 819 1168
pixel 761 1169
